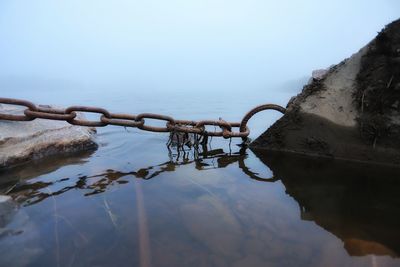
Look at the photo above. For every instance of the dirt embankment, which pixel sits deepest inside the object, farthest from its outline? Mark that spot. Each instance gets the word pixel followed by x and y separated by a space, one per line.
pixel 353 112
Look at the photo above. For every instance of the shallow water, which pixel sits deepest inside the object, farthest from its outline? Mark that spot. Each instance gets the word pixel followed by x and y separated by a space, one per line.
pixel 134 202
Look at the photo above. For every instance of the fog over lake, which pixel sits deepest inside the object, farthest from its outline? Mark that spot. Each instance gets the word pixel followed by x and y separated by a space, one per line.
pixel 179 46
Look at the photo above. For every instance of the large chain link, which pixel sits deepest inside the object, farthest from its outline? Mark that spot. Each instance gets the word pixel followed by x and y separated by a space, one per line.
pixel 69 115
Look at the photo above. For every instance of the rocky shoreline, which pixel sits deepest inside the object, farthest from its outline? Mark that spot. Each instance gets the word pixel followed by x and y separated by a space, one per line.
pixel 23 142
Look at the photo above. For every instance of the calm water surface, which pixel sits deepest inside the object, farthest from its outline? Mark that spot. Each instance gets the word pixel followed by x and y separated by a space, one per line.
pixel 133 202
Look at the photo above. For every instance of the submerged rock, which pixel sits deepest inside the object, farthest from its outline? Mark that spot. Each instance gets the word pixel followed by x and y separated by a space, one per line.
pixel 18 235
pixel 349 112
pixel 21 142
pixel 7 210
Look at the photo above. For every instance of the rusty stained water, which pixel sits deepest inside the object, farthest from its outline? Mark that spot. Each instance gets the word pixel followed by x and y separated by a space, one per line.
pixel 128 204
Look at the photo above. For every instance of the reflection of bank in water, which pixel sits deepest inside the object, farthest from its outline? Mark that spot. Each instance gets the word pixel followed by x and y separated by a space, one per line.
pixel 358 203
pixel 9 178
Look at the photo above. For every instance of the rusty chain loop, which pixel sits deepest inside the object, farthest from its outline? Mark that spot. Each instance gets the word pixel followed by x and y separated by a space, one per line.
pixel 125 120
pixel 243 124
pixel 100 123
pixel 10 117
pixel 50 114
pixel 144 127
pixel 137 121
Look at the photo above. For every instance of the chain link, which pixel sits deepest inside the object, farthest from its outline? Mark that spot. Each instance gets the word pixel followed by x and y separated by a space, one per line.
pixel 125 120
pixel 50 114
pixel 144 127
pixel 138 121
pixel 17 102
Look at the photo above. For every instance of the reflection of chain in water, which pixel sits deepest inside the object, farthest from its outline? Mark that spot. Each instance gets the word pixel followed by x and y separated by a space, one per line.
pixel 31 193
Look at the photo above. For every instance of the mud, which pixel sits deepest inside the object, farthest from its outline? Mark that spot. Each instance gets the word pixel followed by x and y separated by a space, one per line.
pixel 378 92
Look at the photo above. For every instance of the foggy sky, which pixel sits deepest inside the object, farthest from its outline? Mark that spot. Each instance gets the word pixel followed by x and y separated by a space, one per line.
pixel 181 45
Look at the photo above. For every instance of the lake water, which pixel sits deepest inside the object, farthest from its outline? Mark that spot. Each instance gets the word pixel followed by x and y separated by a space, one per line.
pixel 134 202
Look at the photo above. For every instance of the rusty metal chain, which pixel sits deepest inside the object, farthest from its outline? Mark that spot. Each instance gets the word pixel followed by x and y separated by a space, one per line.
pixel 69 115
